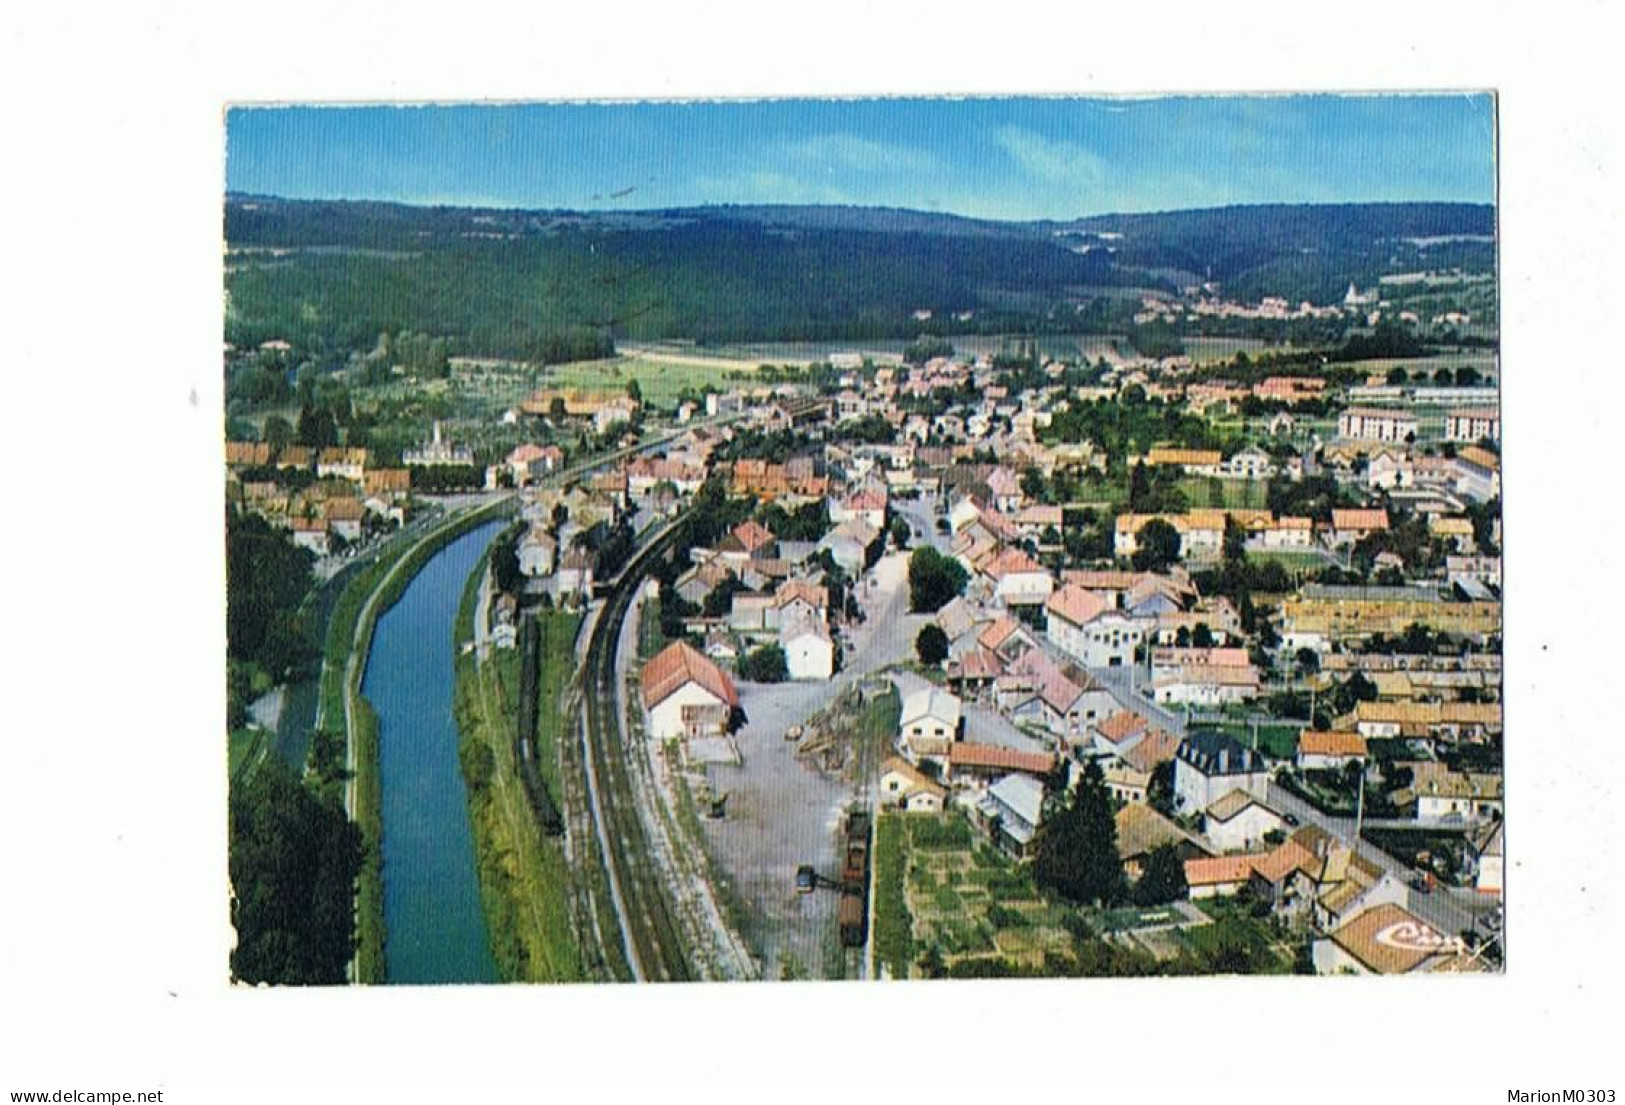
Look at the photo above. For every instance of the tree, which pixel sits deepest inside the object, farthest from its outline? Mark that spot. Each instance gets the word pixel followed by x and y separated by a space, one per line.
pixel 1139 488
pixel 1033 484
pixel 1076 854
pixel 1235 541
pixel 1159 791
pixel 276 432
pixel 719 602
pixel 1201 636
pixel 901 531
pixel 1397 376
pixel 317 428
pixel 634 390
pixel 293 862
pixel 931 645
pixel 556 409
pixel 267 577
pixel 933 580
pixel 1156 546
pixel 765 665
pixel 505 562
pixel 1164 878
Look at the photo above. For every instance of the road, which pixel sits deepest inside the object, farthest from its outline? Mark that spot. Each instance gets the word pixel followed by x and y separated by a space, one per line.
pixel 1450 910
pixel 1118 680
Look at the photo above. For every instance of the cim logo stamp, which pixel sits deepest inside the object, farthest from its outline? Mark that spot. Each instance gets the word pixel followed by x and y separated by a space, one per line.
pixel 1414 936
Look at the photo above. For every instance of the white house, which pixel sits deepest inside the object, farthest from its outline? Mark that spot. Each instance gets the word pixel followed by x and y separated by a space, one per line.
pixel 686 695
pixel 1376 424
pixel 848 544
pixel 1017 801
pixel 902 784
pixel 1455 796
pixel 1251 463
pixel 809 651
pixel 1210 765
pixel 1018 579
pixel 1238 821
pixel 1085 626
pixel 537 551
pixel 1472 424
pixel 930 723
pixel 310 533
pixel 574 575
pixel 1329 750
pixel 1206 685
pixel 868 504
pixel 1388 469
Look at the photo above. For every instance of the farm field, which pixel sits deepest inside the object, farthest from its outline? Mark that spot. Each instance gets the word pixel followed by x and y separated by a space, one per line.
pixel 661 377
pixel 967 902
pixel 1293 560
pixel 1217 350
pixel 1236 493
pixel 947 903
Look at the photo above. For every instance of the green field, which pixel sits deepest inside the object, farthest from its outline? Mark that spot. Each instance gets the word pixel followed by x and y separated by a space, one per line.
pixel 1218 350
pixel 660 380
pixel 244 749
pixel 1293 560
pixel 1236 942
pixel 893 936
pixel 962 900
pixel 1236 493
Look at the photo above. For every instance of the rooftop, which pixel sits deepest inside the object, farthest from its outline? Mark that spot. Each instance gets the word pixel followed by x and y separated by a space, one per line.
pixel 676 666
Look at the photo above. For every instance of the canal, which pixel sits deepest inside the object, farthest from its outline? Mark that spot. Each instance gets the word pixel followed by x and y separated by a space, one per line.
pixel 436 929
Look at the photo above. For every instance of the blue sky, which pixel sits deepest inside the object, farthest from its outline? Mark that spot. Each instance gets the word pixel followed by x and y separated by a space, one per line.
pixel 994 158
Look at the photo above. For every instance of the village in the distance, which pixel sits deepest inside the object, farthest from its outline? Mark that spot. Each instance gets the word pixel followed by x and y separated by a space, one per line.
pixel 1166 641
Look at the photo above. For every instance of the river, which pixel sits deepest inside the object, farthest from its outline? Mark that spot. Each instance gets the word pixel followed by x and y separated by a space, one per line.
pixel 431 890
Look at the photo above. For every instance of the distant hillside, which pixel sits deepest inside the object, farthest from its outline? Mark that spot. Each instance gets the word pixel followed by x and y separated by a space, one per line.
pixel 331 275
pixel 1302 251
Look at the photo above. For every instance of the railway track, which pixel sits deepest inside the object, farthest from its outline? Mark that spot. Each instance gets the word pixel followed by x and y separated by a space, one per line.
pixel 653 939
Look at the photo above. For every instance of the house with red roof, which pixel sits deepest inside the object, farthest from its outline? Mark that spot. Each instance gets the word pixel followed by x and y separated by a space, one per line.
pixel 1349 526
pixel 1018 579
pixel 749 540
pixel 1087 626
pixel 686 695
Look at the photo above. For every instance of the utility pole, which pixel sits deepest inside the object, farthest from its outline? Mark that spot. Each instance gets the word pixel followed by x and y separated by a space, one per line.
pixel 1359 807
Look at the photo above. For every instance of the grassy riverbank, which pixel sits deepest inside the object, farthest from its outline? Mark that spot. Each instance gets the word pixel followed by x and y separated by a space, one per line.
pixel 524 878
pixel 372 591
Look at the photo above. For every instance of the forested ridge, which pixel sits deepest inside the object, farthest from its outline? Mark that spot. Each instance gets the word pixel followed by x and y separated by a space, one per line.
pixel 548 286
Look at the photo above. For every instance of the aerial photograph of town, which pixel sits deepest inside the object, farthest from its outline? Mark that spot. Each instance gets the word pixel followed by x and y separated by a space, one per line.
pixel 872 539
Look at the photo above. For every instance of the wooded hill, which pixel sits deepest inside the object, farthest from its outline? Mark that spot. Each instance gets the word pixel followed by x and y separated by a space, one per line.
pixel 553 285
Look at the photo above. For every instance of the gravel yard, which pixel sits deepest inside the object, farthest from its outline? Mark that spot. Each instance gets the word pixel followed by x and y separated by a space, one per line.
pixel 783 813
